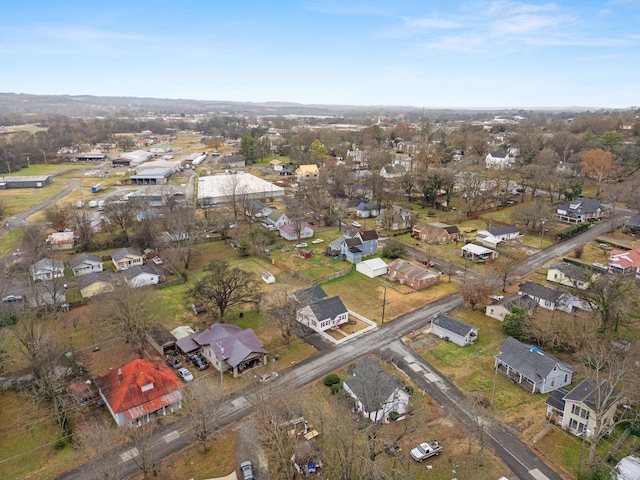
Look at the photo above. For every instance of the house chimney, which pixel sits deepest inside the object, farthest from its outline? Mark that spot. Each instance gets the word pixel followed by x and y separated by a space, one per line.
pixel 120 375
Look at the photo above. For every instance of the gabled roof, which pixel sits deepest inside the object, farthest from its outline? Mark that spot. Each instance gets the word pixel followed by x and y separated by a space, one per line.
pixel 364 206
pixel 275 215
pixel 127 387
pixel 419 226
pixel 307 169
pixel 573 272
pixel 229 342
pixel 328 308
pixel 556 399
pixel 528 360
pixel 310 295
pixel 499 154
pixel 290 228
pixel 633 220
pixel 367 235
pixel 160 334
pixel 124 253
pixel 625 258
pixel 496 230
pixel 411 270
pixel 372 385
pixel 133 272
pixel 84 258
pixel 375 263
pixel 540 291
pixel 353 242
pixel 452 325
pixel 477 249
pixel 524 301
pixel 85 280
pixel 47 264
pixel 581 205
pixel 595 394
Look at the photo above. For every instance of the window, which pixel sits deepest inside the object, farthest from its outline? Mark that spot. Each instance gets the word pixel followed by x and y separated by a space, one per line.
pixel 575 409
pixel 584 414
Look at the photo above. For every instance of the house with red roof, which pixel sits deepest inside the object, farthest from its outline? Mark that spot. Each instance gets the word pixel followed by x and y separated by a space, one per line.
pixel 226 347
pixel 138 389
pixel 626 262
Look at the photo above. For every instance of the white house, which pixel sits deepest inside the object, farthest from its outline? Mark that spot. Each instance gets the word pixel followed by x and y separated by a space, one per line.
pixel 376 393
pixel 323 314
pixel 453 330
pixel 47 269
pixel 498 160
pixel 86 263
pixel 141 276
pixel 477 254
pixel 374 267
pixel 290 231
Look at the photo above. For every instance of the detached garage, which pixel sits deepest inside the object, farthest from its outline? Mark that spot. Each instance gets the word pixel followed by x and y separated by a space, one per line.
pixel 374 267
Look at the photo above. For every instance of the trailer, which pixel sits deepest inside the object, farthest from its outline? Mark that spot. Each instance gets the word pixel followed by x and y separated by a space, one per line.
pixel 96 188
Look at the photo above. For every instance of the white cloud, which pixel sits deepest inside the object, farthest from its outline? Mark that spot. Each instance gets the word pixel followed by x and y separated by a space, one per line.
pixel 433 23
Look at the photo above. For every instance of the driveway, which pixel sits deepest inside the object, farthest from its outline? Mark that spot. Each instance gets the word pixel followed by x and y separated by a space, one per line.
pixel 249 447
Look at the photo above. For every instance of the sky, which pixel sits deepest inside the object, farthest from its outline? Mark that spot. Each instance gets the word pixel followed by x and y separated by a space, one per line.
pixel 421 53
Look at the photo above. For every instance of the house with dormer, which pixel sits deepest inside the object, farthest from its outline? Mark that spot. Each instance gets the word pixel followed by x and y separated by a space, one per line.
pixel 580 210
pixel 305 173
pixel 392 171
pixel 139 391
pixel 531 368
pixel 354 246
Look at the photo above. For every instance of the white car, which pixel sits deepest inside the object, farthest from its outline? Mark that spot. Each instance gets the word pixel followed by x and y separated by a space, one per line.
pixel 267 377
pixel 157 260
pixel 425 450
pixel 185 374
pixel 302 245
pixel 317 241
pixel 356 224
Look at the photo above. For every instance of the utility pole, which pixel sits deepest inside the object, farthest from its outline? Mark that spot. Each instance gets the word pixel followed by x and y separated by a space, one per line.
pixel 384 301
pixel 542 221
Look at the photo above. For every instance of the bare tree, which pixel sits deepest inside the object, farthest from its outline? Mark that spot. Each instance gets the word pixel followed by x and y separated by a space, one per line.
pixel 283 307
pixel 224 286
pixel 612 296
pixel 202 408
pixel 476 291
pixel 504 265
pixel 82 225
pixel 141 437
pixel 100 437
pixel 122 216
pixel 130 310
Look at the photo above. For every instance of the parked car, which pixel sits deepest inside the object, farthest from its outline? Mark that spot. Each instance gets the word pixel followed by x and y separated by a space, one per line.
pixel 157 260
pixel 356 224
pixel 428 263
pixel 425 450
pixel 199 362
pixel 247 470
pixel 302 245
pixel 174 362
pixel 317 241
pixel 267 377
pixel 185 374
pixel 13 298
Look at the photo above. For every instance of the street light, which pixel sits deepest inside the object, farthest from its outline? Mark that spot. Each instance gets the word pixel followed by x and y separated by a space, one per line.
pixel 221 359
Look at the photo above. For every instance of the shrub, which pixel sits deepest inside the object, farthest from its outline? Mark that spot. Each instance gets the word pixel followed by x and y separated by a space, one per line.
pixel 60 442
pixel 393 250
pixel 331 379
pixel 578 251
pixel 335 388
pixel 409 389
pixel 393 416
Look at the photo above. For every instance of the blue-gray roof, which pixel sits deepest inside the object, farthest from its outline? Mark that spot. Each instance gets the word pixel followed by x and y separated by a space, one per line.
pixel 310 295
pixel 543 292
pixel 452 325
pixel 328 308
pixel 528 360
pixel 581 205
pixel 595 394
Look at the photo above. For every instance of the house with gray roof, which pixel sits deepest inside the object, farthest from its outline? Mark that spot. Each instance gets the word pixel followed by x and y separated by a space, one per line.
pixel 367 210
pixel 226 347
pixel 126 258
pixel 322 315
pixel 355 245
pixel 376 393
pixel 580 210
pixel 453 330
pixel 500 307
pixel 141 276
pixel 95 283
pixel 309 295
pixel 531 368
pixel 545 297
pixel 576 411
pixel 570 275
pixel 86 263
pixel 499 159
pixel 632 225
pixel 47 269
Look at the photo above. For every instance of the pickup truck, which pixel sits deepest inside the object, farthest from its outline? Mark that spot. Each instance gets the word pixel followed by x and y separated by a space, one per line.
pixel 426 450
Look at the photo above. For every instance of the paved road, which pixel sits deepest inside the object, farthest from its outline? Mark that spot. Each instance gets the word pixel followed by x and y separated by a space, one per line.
pixel 515 454
pixel 520 459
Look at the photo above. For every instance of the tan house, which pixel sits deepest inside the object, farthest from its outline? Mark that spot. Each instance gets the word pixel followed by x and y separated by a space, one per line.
pixel 307 172
pixel 94 284
pixel 127 258
pixel 412 274
pixel 437 232
pixel 570 275
pixel 576 411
